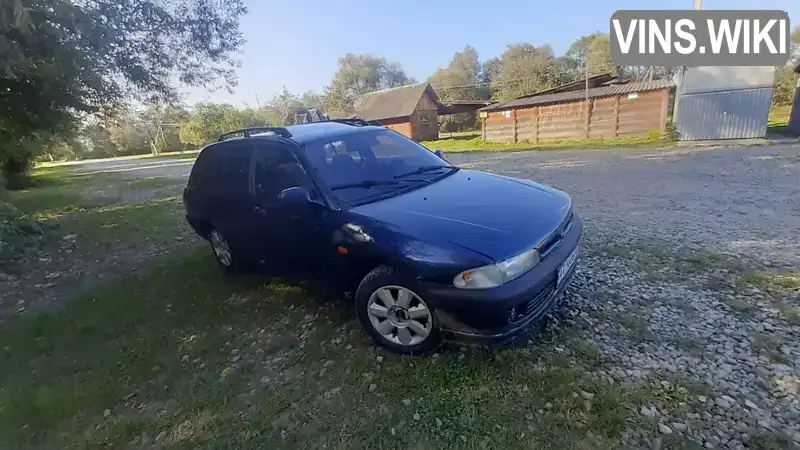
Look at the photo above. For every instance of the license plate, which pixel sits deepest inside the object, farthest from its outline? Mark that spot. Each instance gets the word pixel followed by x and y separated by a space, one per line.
pixel 568 264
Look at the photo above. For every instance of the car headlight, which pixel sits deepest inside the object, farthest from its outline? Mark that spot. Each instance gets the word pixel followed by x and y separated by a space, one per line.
pixel 497 274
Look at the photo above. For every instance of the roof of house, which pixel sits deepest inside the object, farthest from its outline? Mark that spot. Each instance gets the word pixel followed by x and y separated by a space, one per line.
pixel 598 92
pixel 390 103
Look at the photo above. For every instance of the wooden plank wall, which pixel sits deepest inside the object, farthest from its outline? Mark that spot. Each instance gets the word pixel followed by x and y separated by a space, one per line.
pixel 637 116
pixel 424 125
pixel 403 128
pixel 563 121
pixel 625 115
pixel 500 127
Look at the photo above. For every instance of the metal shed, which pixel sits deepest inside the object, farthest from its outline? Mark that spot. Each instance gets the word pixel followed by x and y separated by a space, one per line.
pixel 724 102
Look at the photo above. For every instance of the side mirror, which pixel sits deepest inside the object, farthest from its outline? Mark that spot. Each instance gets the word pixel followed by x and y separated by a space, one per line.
pixel 438 152
pixel 295 196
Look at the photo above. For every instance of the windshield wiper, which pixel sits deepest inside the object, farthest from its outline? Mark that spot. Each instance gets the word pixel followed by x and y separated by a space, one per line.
pixel 366 184
pixel 424 169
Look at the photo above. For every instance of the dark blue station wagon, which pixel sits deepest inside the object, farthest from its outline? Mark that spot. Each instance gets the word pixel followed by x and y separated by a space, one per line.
pixel 433 252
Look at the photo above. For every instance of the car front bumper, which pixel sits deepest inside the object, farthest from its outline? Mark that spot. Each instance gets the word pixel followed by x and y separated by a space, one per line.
pixel 485 316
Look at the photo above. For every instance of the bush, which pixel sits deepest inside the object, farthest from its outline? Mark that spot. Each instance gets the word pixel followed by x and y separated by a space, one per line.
pixel 17 233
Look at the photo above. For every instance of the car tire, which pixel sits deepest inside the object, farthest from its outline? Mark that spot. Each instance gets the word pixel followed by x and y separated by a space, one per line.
pixel 391 309
pixel 226 257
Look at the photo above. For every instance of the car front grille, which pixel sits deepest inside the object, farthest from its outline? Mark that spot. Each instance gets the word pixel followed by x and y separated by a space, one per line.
pixel 534 306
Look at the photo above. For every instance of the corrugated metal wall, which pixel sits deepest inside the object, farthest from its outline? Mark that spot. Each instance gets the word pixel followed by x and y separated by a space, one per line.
pixel 735 114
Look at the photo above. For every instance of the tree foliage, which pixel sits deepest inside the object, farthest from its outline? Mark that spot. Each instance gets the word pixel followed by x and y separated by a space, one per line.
pixel 209 120
pixel 594 49
pixel 783 92
pixel 360 74
pixel 62 60
pixel 460 80
pixel 526 69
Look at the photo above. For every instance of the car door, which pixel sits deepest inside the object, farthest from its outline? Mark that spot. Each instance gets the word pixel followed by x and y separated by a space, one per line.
pixel 291 233
pixel 231 194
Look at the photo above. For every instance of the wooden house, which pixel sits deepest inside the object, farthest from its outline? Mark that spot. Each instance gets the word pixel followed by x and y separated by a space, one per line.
pixel 410 110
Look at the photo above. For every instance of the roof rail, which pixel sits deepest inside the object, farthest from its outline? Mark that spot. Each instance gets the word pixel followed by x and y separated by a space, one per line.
pixel 247 132
pixel 354 122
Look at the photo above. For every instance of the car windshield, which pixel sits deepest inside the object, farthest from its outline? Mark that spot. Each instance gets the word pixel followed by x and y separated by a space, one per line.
pixel 361 166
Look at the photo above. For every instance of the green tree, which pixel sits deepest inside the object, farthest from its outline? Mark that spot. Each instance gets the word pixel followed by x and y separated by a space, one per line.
pixel 783 91
pixel 526 69
pixel 359 74
pixel 594 49
pixel 210 120
pixel 311 99
pixel 65 59
pixel 459 81
pixel 281 109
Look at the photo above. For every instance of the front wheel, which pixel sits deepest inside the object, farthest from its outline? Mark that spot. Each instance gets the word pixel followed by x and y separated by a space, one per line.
pixel 230 262
pixel 394 313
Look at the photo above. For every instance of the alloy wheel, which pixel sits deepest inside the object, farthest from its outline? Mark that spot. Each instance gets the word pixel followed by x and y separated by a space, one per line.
pixel 221 248
pixel 399 315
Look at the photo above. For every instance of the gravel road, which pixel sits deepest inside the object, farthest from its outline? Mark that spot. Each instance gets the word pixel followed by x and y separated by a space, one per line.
pixel 689 282
pixel 666 288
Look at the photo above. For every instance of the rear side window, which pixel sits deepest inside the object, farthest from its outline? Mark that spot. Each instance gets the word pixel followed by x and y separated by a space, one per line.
pixel 235 179
pixel 205 168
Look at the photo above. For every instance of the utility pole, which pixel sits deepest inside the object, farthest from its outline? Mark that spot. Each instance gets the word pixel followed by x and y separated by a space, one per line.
pixel 698 5
pixel 586 73
pixel 258 103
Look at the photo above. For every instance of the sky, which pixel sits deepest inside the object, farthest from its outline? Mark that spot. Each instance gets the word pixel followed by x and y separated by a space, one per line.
pixel 296 43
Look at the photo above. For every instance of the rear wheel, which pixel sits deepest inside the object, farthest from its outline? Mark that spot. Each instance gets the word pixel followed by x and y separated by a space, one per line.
pixel 229 261
pixel 394 313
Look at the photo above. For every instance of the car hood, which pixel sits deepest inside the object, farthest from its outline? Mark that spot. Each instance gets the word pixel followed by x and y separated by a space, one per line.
pixel 496 216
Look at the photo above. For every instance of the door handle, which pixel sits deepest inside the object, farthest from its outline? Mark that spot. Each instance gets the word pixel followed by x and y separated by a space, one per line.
pixel 259 211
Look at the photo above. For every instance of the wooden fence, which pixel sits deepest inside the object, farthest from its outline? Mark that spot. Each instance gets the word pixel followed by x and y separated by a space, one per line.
pixel 626 115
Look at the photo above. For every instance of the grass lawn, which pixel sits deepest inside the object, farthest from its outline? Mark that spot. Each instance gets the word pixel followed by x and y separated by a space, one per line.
pixel 100 212
pixel 180 356
pixel 778 121
pixel 470 143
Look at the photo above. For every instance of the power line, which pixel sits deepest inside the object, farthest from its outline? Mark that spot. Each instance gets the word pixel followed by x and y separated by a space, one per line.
pixel 488 83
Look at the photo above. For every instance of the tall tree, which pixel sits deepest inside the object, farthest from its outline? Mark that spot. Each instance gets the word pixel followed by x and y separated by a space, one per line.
pixel 281 109
pixel 526 69
pixel 210 120
pixel 63 59
pixel 359 74
pixel 311 99
pixel 595 50
pixel 783 92
pixel 459 81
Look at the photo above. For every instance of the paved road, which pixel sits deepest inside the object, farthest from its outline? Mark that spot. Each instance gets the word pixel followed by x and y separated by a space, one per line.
pixel 140 168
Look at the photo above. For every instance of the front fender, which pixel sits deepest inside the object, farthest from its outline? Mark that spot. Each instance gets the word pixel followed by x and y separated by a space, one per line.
pixel 370 243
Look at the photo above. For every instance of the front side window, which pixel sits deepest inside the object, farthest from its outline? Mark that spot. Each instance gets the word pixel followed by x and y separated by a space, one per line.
pixel 277 169
pixel 372 163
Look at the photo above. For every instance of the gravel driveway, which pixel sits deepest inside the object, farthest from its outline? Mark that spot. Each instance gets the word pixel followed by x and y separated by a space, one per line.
pixel 688 283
